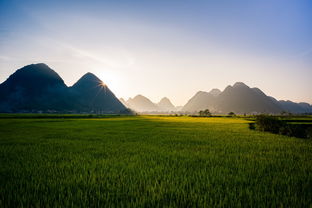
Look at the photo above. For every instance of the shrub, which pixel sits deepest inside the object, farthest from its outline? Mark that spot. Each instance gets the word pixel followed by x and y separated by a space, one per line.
pixel 231 114
pixel 277 126
pixel 286 130
pixel 205 113
pixel 252 126
pixel 309 132
pixel 269 123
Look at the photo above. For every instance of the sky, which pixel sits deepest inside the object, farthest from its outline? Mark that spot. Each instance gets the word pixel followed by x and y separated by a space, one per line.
pixel 164 48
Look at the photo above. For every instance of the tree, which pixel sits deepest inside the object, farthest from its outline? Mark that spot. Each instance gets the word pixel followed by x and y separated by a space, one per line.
pixel 284 113
pixel 231 114
pixel 205 113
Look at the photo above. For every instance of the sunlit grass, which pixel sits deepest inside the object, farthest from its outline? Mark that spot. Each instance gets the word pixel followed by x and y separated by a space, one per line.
pixel 150 161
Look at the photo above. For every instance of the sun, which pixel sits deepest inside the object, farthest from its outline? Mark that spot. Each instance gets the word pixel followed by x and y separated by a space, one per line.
pixel 102 84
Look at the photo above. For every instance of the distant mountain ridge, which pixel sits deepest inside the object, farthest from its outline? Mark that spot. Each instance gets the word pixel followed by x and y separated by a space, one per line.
pixel 38 88
pixel 166 105
pixel 141 103
pixel 241 99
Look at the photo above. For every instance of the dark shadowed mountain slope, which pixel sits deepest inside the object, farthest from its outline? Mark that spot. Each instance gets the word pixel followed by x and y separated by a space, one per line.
pixel 123 102
pixel 203 100
pixel 165 105
pixel 215 92
pixel 91 94
pixel 293 107
pixel 142 104
pixel 200 101
pixel 307 108
pixel 33 87
pixel 238 98
pixel 37 87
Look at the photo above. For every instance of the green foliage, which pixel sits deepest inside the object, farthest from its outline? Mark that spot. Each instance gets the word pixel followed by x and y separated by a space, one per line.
pixel 150 162
pixel 252 126
pixel 279 126
pixel 204 113
pixel 269 123
pixel 309 133
pixel 231 114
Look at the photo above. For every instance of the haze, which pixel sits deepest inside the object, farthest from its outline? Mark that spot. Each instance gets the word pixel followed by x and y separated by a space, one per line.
pixel 164 48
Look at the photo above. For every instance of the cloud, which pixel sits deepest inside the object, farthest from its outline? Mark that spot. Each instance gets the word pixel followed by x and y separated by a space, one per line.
pixel 5 58
pixel 113 58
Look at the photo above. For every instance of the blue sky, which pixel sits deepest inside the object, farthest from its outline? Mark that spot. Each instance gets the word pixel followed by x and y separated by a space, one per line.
pixel 164 48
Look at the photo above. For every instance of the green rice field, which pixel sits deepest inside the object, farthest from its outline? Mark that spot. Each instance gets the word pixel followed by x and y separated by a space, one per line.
pixel 150 161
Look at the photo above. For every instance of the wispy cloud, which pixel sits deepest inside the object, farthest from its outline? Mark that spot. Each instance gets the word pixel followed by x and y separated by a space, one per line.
pixel 5 58
pixel 114 58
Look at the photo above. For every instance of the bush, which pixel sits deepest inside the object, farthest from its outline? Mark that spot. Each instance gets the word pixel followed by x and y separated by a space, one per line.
pixel 298 130
pixel 252 126
pixel 286 130
pixel 205 113
pixel 309 132
pixel 277 126
pixel 231 114
pixel 269 123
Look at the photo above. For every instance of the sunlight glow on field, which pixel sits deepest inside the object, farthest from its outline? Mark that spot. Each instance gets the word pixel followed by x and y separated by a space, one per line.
pixel 141 160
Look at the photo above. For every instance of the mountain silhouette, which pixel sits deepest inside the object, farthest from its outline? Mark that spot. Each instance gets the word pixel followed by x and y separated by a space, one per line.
pixel 293 107
pixel 91 94
pixel 200 101
pixel 142 104
pixel 306 107
pixel 215 92
pixel 33 87
pixel 37 87
pixel 240 99
pixel 166 105
pixel 124 102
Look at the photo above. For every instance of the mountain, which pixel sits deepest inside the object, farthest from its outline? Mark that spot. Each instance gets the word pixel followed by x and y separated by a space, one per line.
pixel 201 100
pixel 37 87
pixel 123 102
pixel 215 92
pixel 293 107
pixel 307 108
pixel 91 94
pixel 142 104
pixel 166 105
pixel 238 98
